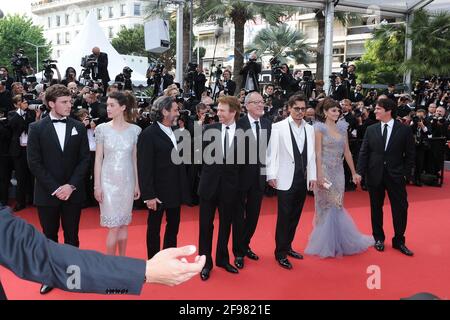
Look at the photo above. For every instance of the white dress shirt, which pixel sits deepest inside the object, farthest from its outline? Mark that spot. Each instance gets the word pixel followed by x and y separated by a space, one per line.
pixel 253 125
pixel 389 130
pixel 231 132
pixel 299 133
pixel 60 129
pixel 170 134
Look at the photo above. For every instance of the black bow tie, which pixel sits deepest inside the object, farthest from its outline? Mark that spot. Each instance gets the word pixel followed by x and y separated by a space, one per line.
pixel 60 121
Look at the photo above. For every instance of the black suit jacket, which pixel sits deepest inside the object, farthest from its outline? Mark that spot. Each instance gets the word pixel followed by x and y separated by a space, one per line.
pixel 31 256
pixel 218 176
pixel 159 176
pixel 398 159
pixel 51 166
pixel 356 96
pixel 230 85
pixel 18 125
pixel 249 173
pixel 103 67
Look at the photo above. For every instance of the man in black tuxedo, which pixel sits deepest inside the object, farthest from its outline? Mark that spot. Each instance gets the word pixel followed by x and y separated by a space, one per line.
pixel 58 156
pixel 102 68
pixel 356 95
pixel 386 158
pixel 219 184
pixel 252 180
pixel 31 256
pixel 164 184
pixel 19 120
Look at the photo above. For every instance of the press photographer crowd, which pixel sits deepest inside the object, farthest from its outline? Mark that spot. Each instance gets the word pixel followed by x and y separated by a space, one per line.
pixel 84 140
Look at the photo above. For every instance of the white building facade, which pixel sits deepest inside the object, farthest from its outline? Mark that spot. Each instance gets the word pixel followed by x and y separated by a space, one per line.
pixel 63 19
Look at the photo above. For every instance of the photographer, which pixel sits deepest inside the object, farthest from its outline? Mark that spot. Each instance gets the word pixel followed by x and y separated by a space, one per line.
pixel 6 103
pixel 70 76
pixel 49 66
pixel 21 65
pixel 403 108
pixel 102 67
pixel 19 120
pixel 371 98
pixel 286 80
pixel 97 110
pixel 228 85
pixel 421 130
pixel 199 82
pixel 125 79
pixel 250 74
pixel 357 95
pixel 4 76
pixel 340 92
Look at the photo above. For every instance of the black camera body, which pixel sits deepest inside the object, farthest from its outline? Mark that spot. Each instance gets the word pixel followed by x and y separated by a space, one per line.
pixel 89 61
pixel 276 68
pixel 20 60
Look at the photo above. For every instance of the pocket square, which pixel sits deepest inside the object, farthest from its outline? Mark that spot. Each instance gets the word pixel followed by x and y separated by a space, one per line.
pixel 74 132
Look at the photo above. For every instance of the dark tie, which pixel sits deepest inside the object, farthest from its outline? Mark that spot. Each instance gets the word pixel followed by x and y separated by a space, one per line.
pixel 257 139
pixel 59 121
pixel 385 135
pixel 225 143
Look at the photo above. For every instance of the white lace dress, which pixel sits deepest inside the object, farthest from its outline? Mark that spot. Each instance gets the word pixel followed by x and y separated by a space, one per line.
pixel 117 177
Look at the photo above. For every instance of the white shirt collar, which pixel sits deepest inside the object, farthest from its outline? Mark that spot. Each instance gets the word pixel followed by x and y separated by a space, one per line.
pixel 168 130
pixel 390 123
pixel 231 126
pixel 251 119
pixel 292 122
pixel 54 118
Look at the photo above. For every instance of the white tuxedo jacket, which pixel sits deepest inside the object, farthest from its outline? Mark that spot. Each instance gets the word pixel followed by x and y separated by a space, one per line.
pixel 280 155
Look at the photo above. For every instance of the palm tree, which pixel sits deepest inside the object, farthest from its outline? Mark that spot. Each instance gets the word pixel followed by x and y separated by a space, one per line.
pixel 283 42
pixel 239 12
pixel 430 35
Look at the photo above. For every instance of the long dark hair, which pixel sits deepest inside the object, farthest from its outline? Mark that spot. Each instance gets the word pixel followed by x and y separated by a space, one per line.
pixel 127 99
pixel 325 105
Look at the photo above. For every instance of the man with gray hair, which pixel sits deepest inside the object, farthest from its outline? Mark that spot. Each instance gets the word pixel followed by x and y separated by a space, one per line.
pixel 164 184
pixel 252 180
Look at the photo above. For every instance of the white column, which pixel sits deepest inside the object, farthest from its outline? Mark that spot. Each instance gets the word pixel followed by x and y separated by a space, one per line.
pixel 180 63
pixel 328 46
pixel 408 52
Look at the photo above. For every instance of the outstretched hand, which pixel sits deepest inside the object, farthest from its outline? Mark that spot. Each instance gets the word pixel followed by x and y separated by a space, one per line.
pixel 170 267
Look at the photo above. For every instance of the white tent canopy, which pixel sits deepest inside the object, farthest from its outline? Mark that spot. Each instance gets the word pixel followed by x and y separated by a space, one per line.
pixel 89 37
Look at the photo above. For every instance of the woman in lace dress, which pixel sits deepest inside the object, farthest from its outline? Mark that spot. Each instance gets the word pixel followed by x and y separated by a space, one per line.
pixel 116 183
pixel 335 233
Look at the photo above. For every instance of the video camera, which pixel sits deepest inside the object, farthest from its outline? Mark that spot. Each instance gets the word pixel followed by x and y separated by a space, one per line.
pixel 20 60
pixel 49 65
pixel 127 71
pixel 89 61
pixel 275 66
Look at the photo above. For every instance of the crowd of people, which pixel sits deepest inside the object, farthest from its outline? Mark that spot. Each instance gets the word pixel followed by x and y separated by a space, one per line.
pixel 73 146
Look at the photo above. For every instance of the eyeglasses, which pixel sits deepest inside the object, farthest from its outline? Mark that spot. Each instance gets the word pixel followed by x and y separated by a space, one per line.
pixel 257 102
pixel 297 109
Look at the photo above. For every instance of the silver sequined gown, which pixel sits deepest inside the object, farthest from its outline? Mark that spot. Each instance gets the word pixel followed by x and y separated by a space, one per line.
pixel 335 233
pixel 117 175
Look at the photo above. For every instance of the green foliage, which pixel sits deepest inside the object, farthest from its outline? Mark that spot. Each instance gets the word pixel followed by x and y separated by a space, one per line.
pixel 14 32
pixel 384 62
pixel 283 42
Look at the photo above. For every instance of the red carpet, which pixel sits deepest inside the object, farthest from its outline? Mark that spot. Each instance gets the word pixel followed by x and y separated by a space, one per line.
pixel 313 278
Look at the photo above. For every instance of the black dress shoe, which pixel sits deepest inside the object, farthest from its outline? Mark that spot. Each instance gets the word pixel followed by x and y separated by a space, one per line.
pixel 251 255
pixel 19 207
pixel 379 245
pixel 45 289
pixel 229 268
pixel 204 274
pixel 403 249
pixel 239 262
pixel 294 254
pixel 284 262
